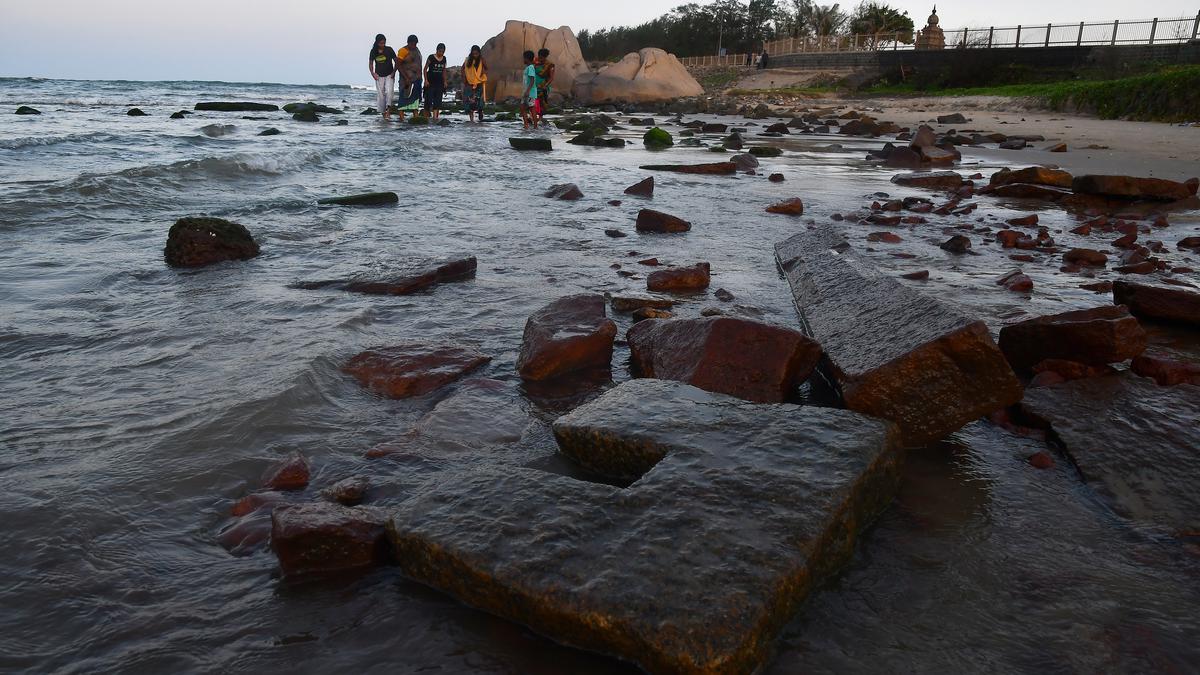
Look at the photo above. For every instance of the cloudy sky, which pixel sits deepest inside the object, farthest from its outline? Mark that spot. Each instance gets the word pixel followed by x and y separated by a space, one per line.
pixel 300 41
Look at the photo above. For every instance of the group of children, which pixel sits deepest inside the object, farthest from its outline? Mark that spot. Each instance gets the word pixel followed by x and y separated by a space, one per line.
pixel 427 84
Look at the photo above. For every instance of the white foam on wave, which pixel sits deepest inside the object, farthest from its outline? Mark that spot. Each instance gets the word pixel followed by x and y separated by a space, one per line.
pixel 43 141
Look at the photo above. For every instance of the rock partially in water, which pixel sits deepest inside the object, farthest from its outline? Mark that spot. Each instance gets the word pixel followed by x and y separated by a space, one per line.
pixel 627 303
pixel 568 192
pixel 747 359
pixel 893 352
pixel 309 106
pixel 412 368
pixel 716 169
pixel 26 110
pixel 1097 336
pixel 481 413
pixel 644 188
pixel 765 151
pixel 745 162
pixel 657 139
pixel 1159 301
pixel 1167 372
pixel 217 130
pixel 348 491
pixel 290 474
pixel 1129 187
pixel 930 180
pixel 740 511
pixel 649 220
pixel 322 539
pixel 405 280
pixel 270 131
pixel 1085 256
pixel 526 144
pixel 958 244
pixel 1133 441
pixel 693 278
pixel 569 335
pixel 365 199
pixel 1034 175
pixel 136 112
pixel 236 106
pixel 195 242
pixel 954 118
pixel 788 207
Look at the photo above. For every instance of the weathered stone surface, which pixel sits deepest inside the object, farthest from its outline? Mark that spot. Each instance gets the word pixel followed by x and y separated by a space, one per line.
pixel 412 368
pixel 236 106
pixel 644 188
pixel 530 143
pixel 403 280
pixel 481 413
pixel 1107 334
pixel 627 303
pixel 503 53
pixel 195 242
pixel 310 106
pixel 649 220
pixel 1133 441
pixel 692 278
pixel 745 162
pixel 1129 187
pixel 1159 301
pixel 567 192
pixel 893 352
pixel 367 199
pixel 954 118
pixel 738 513
pixel 322 538
pixel 1166 371
pixel 645 76
pixel 292 473
pixel 569 335
pixel 789 207
pixel 1030 191
pixel 765 151
pixel 348 491
pixel 1034 175
pixel 958 244
pixel 930 180
pixel 1085 256
pixel 747 359
pixel 716 169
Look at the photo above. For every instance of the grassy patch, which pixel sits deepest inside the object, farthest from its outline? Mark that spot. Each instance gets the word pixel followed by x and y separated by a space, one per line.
pixel 802 92
pixel 719 79
pixel 1170 95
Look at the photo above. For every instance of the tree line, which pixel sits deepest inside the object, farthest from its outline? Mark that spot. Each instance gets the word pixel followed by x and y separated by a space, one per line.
pixel 698 29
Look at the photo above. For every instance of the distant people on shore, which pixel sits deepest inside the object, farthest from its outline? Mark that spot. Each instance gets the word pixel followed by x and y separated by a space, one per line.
pixel 474 72
pixel 762 60
pixel 410 69
pixel 545 78
pixel 383 69
pixel 435 82
pixel 529 92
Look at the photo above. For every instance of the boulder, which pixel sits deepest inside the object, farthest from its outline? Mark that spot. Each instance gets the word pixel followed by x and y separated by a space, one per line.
pixel 696 567
pixel 270 131
pixel 747 359
pixel 718 168
pixel 1129 187
pixel 403 280
pixel 309 106
pixel 412 368
pixel 567 192
pixel 195 242
pixel 530 143
pixel 676 279
pixel 649 220
pixel 292 473
pixel 366 199
pixel 891 351
pixel 1034 175
pixel 320 539
pixel 569 335
pixel 1096 336
pixel 1085 256
pixel 930 180
pixel 789 207
pixel 136 112
pixel 646 76
pixel 644 188
pixel 26 110
pixel 348 491
pixel 1159 301
pixel 657 138
pixel 505 67
pixel 1133 441
pixel 1029 191
pixel 765 151
pixel 306 116
pixel 744 162
pixel 1016 281
pixel 1167 372
pixel 955 118
pixel 958 244
pixel 236 106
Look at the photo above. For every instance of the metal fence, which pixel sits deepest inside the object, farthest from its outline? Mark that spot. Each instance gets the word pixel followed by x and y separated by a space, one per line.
pixel 1145 32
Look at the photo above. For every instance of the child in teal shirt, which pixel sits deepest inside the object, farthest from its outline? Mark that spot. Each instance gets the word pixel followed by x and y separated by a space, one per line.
pixel 529 94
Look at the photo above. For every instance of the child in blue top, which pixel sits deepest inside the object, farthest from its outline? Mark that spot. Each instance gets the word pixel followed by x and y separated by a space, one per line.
pixel 529 94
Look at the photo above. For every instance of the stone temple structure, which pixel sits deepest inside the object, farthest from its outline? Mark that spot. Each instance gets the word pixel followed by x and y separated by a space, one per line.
pixel 931 36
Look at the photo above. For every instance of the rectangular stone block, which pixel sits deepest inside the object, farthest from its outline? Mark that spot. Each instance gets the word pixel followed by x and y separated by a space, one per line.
pixel 891 351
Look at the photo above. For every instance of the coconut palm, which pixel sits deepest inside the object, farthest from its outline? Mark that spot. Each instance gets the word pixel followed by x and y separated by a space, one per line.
pixel 827 19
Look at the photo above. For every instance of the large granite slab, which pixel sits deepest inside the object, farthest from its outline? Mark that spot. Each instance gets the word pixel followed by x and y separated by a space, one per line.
pixel 737 512
pixel 1137 444
pixel 891 351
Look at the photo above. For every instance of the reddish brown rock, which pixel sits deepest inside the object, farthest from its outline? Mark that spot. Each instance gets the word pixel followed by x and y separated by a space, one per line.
pixel 1156 301
pixel 646 313
pixel 718 168
pixel 256 501
pixel 629 303
pixel 1071 370
pixel 348 491
pixel 1166 371
pixel 1011 238
pixel 747 359
pixel 1085 256
pixel 1041 460
pixel 196 242
pixel 1026 221
pixel 1129 187
pixel 1192 243
pixel 649 220
pixel 412 368
pixel 321 538
pixel 569 335
pixel 1144 267
pixel 930 180
pixel 1034 175
pixel 1029 191
pixel 567 192
pixel 1098 287
pixel 405 280
pixel 644 188
pixel 290 474
pixel 790 207
pixel 885 237
pixel 693 278
pixel 1096 336
pixel 776 178
pixel 957 244
pixel 1016 281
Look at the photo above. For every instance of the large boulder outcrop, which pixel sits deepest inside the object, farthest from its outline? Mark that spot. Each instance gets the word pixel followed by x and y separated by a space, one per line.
pixel 569 335
pixel 196 242
pixel 647 76
pixel 1097 336
pixel 738 513
pixel 893 352
pixel 505 66
pixel 748 359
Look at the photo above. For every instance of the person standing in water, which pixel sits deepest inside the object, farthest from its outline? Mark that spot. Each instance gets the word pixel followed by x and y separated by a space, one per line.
pixel 383 69
pixel 474 78
pixel 435 82
pixel 545 78
pixel 529 92
pixel 408 61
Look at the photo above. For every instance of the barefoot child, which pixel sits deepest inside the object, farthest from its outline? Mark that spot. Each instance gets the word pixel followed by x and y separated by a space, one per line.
pixel 529 94
pixel 545 78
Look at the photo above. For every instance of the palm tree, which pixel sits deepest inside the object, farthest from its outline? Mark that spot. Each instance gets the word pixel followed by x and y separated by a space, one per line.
pixel 827 19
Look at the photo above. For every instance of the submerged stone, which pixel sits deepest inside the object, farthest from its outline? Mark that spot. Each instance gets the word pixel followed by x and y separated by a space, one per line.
pixel 893 352
pixel 413 368
pixel 1133 441
pixel 537 144
pixel 649 220
pixel 195 242
pixel 405 280
pixel 1159 301
pixel 366 199
pixel 569 335
pixel 309 106
pixel 1096 336
pixel 739 511
pixel 644 188
pixel 692 278
pixel 930 180
pixel 236 106
pixel 718 168
pixel 26 110
pixel 566 192
pixel 322 538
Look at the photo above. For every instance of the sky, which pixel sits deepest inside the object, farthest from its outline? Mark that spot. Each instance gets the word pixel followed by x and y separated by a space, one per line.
pixel 306 42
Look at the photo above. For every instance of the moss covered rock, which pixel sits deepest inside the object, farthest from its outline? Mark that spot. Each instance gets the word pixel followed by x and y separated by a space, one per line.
pixel 765 151
pixel 657 138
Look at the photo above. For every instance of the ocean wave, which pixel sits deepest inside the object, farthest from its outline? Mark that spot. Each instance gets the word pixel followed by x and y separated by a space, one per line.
pixel 43 141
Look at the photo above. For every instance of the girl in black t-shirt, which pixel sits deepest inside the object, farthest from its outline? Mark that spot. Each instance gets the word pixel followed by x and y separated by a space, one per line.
pixel 383 69
pixel 435 81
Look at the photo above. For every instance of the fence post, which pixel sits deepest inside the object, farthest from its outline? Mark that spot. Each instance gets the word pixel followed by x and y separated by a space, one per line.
pixel 1196 27
pixel 1153 29
pixel 1018 35
pixel 1079 41
pixel 1049 26
pixel 964 42
pixel 1116 24
pixel 991 34
pixel 896 42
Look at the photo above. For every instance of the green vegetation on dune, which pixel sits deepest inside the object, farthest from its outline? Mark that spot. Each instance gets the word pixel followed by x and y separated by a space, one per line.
pixel 1169 95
